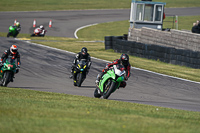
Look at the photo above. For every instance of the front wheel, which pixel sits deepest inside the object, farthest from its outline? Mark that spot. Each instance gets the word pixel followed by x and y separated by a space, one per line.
pixel 6 78
pixel 32 35
pixel 79 79
pixel 9 34
pixel 110 88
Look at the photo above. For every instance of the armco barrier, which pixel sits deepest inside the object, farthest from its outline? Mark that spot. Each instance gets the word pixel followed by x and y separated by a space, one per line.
pixel 183 57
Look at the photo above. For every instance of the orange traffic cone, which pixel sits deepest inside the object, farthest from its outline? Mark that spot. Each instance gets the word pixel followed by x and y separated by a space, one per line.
pixel 34 23
pixel 15 22
pixel 50 23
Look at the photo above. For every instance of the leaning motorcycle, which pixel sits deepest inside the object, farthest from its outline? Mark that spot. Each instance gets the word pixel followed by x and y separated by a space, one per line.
pixel 80 72
pixel 110 81
pixel 12 31
pixel 7 71
pixel 36 33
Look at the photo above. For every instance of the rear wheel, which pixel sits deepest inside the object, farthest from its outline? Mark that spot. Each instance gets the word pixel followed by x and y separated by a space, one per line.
pixel 6 78
pixel 9 34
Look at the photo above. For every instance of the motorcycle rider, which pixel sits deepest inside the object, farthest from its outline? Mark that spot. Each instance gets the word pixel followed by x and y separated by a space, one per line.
pixel 13 51
pixel 18 28
pixel 81 55
pixel 42 31
pixel 124 60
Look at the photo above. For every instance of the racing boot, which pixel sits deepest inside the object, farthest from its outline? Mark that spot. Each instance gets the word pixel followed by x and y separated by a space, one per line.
pixel 71 76
pixel 97 80
pixel 11 80
pixel 75 83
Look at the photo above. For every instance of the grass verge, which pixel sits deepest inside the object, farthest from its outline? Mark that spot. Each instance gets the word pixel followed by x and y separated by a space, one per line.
pixel 38 5
pixel 27 111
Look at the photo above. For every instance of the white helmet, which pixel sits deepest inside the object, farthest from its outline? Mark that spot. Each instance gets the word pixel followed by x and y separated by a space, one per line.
pixel 41 27
pixel 13 49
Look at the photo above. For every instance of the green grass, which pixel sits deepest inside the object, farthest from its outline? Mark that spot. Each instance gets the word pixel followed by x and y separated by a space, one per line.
pixel 28 111
pixel 184 22
pixel 38 5
pixel 98 32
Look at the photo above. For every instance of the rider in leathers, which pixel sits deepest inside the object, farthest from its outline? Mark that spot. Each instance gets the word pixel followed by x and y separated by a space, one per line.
pixel 13 51
pixel 124 60
pixel 81 55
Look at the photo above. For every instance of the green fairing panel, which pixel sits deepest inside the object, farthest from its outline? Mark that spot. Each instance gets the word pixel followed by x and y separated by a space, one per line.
pixel 7 66
pixel 109 74
pixel 120 79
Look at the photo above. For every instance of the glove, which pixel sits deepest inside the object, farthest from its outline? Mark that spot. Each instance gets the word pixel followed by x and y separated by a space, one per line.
pixel 17 69
pixel 105 70
pixel 73 66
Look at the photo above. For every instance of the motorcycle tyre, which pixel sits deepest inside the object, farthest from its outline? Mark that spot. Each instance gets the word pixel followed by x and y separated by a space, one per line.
pixel 9 34
pixel 79 79
pixel 111 89
pixel 96 94
pixel 6 78
pixel 15 35
pixel 32 35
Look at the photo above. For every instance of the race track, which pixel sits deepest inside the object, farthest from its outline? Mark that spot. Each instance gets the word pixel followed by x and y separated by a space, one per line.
pixel 47 69
pixel 64 23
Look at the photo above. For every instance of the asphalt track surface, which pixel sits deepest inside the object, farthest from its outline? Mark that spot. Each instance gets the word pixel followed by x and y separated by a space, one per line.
pixel 47 69
pixel 64 23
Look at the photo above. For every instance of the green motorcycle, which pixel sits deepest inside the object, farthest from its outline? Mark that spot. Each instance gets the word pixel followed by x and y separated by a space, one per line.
pixel 12 31
pixel 110 81
pixel 7 71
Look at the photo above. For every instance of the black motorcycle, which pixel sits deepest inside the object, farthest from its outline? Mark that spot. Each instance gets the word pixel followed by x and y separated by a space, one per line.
pixel 80 72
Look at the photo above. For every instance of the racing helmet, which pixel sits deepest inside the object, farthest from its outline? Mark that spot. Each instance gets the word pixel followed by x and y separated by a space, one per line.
pixel 13 49
pixel 124 58
pixel 41 27
pixel 84 50
pixel 17 24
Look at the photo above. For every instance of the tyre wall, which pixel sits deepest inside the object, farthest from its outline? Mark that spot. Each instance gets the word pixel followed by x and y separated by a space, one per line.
pixel 165 53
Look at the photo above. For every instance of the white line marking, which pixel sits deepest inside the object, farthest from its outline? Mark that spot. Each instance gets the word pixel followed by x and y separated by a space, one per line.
pixel 75 33
pixel 165 75
pixel 109 61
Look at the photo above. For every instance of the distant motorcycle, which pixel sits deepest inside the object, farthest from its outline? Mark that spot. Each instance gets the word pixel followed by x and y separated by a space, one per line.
pixel 8 71
pixel 12 31
pixel 38 33
pixel 110 81
pixel 80 72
